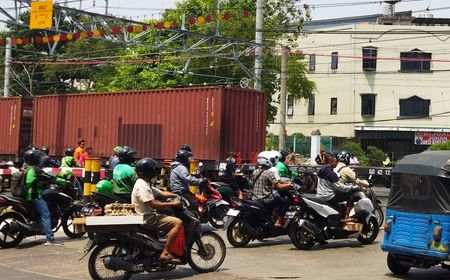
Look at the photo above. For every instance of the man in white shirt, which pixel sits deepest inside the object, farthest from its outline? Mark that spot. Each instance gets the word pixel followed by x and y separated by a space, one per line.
pixel 144 200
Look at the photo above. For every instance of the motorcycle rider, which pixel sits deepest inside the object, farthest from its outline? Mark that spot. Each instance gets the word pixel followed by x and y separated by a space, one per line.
pixel 45 160
pixel 68 160
pixel 283 169
pixel 227 174
pixel 36 181
pixel 346 174
pixel 124 175
pixel 114 159
pixel 180 179
pixel 266 181
pixel 144 200
pixel 333 191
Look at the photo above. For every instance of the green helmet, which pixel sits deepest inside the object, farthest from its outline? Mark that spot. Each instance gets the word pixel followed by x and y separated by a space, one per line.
pixel 117 149
pixel 104 187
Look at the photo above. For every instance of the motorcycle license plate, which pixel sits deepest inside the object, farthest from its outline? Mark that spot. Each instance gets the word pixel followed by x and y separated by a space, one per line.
pixel 233 212
pixel 289 215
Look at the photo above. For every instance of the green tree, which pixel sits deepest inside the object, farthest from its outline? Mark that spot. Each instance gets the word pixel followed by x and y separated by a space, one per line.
pixel 356 150
pixel 375 156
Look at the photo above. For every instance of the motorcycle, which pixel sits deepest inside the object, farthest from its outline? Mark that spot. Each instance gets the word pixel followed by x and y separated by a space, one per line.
pixel 122 254
pixel 249 220
pixel 212 208
pixel 19 219
pixel 314 220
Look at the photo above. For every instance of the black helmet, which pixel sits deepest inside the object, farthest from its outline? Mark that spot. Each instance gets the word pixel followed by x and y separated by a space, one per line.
pixel 344 157
pixel 45 150
pixel 69 152
pixel 32 156
pixel 126 155
pixel 183 157
pixel 186 147
pixel 284 154
pixel 146 167
pixel 31 147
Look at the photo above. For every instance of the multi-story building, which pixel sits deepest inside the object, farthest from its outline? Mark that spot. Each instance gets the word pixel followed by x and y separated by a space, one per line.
pixel 382 79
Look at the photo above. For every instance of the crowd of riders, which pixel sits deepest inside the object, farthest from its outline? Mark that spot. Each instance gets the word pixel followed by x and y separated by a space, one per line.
pixel 134 182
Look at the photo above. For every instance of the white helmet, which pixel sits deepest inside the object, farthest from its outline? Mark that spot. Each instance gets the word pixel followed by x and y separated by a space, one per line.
pixel 269 158
pixel 10 163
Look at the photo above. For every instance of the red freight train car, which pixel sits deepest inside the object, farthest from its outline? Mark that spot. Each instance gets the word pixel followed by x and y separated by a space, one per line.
pixel 213 120
pixel 15 126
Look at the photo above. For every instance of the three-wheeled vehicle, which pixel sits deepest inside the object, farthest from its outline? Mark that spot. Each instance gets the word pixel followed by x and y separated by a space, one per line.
pixel 417 226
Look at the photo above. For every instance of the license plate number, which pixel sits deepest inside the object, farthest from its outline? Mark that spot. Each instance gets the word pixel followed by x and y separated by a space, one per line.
pixel 233 212
pixel 289 215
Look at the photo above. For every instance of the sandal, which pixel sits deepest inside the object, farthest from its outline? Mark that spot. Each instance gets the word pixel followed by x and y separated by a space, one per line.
pixel 170 259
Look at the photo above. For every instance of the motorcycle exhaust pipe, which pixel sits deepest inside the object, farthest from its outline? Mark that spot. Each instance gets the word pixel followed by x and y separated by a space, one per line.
pixel 309 227
pixel 114 263
pixel 24 228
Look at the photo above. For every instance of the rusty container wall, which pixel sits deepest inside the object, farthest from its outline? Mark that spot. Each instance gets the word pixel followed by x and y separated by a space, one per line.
pixel 15 127
pixel 243 127
pixel 156 122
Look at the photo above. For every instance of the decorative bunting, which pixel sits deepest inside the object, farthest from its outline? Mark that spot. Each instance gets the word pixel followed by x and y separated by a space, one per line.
pixel 116 30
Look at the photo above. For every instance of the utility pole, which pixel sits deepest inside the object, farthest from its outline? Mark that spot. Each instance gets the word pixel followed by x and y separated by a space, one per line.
pixel 106 7
pixel 259 41
pixel 7 67
pixel 283 95
pixel 217 20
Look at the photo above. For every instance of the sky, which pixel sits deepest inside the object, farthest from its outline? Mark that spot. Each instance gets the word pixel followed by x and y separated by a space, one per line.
pixel 321 9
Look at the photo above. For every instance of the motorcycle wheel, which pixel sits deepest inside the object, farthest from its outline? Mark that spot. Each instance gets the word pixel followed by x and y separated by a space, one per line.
pixel 235 234
pixel 380 216
pixel 301 239
pixel 369 232
pixel 97 268
pixel 67 224
pixel 396 267
pixel 10 239
pixel 210 260
pixel 217 216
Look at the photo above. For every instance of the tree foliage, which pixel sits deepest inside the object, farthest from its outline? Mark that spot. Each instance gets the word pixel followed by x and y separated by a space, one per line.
pixel 164 68
pixel 440 146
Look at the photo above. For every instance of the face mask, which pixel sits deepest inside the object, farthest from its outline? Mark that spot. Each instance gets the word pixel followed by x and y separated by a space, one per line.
pixel 233 160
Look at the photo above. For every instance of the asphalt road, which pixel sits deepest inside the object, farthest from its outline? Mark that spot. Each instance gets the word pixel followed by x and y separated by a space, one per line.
pixel 272 259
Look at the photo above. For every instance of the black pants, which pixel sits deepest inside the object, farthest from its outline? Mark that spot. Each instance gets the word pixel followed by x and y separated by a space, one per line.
pixel 279 204
pixel 349 197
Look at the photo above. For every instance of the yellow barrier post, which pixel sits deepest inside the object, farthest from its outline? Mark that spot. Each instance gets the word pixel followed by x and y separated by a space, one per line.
pixel 192 169
pixel 95 169
pixel 87 177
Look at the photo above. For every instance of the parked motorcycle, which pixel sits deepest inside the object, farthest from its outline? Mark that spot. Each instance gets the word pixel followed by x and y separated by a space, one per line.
pixel 122 254
pixel 249 220
pixel 314 220
pixel 19 219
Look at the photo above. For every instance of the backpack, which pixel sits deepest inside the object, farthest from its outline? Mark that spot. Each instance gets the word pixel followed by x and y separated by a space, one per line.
pixel 18 184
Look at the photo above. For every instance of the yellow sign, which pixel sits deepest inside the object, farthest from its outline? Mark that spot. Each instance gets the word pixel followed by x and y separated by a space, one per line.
pixel 41 14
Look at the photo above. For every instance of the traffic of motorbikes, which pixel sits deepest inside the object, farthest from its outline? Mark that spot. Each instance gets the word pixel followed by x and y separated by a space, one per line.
pixel 307 220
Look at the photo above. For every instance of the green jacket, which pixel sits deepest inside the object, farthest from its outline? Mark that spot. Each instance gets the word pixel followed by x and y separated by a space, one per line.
pixel 284 171
pixel 124 178
pixel 68 161
pixel 37 181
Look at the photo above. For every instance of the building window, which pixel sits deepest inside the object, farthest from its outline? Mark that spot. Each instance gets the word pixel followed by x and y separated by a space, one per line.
pixel 334 60
pixel 415 61
pixel 312 62
pixel 369 62
pixel 311 105
pixel 368 105
pixel 414 107
pixel 333 107
pixel 290 107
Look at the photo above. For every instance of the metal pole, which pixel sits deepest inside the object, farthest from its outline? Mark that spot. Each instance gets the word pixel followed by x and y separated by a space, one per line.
pixel 217 20
pixel 283 95
pixel 106 7
pixel 259 41
pixel 7 67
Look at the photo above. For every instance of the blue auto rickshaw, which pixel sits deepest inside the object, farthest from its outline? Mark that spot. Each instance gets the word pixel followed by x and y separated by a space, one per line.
pixel 417 226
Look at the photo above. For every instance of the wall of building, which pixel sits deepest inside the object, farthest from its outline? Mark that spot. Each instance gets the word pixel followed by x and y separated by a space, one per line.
pixel 388 83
